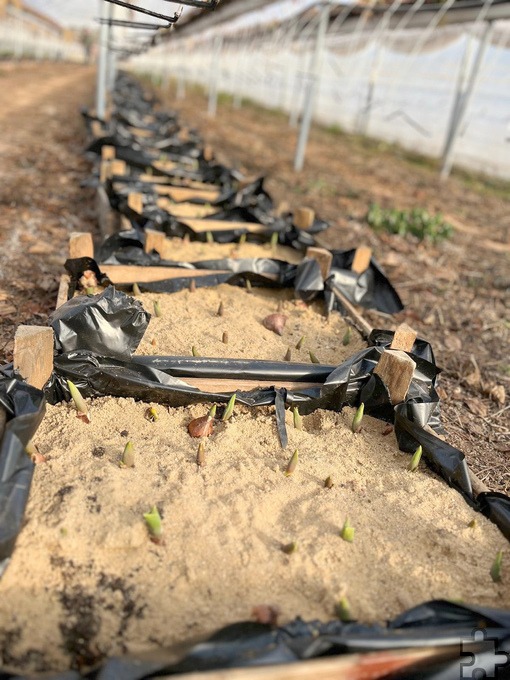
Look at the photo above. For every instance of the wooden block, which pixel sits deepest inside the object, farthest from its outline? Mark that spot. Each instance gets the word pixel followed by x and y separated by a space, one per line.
pixel 396 369
pixel 81 245
pixel 154 240
pixel 96 129
pixel 164 166
pixel 208 153
pixel 117 168
pixel 362 258
pixel 135 202
pixel 164 189
pixel 303 218
pixel 323 257
pixel 203 226
pixel 119 273
pixel 104 171
pixel 283 207
pixel 108 153
pixel 404 338
pixel 33 354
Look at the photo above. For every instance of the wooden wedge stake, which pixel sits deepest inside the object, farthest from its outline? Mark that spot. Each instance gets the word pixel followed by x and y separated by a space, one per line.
pixel 135 202
pixel 404 338
pixel 118 168
pixel 33 354
pixel 361 261
pixel 154 240
pixel 80 245
pixel 303 218
pixel 107 153
pixel 396 369
pixel 323 257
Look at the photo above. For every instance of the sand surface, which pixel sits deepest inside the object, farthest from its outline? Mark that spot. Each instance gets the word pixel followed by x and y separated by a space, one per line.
pixel 193 251
pixel 190 319
pixel 86 581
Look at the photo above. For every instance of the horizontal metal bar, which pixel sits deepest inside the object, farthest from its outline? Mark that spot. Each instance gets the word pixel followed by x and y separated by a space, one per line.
pixel 132 24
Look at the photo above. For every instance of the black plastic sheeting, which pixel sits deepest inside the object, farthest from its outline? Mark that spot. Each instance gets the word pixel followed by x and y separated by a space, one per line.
pixel 24 406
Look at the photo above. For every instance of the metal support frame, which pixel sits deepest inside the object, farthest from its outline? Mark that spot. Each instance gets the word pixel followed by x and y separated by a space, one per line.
pixel 102 66
pixel 214 76
pixel 312 88
pixel 466 86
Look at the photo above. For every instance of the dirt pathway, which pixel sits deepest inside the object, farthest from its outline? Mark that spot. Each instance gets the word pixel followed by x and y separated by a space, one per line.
pixel 41 144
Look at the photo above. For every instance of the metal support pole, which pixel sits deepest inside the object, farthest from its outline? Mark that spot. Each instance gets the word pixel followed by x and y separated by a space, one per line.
pixel 466 87
pixel 102 66
pixel 214 76
pixel 312 89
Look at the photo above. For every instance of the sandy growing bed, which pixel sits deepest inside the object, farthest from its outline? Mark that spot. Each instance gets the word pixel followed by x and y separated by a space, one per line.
pixel 190 319
pixel 193 251
pixel 85 579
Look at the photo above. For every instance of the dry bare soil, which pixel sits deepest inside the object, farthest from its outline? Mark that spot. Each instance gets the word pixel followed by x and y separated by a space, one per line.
pixel 456 294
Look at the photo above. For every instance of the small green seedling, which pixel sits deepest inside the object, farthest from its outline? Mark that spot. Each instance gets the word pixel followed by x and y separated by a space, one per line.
pixel 290 548
pixel 136 289
pixel 472 524
pixel 89 291
pixel 209 237
pixel 292 464
pixel 151 414
pixel 230 408
pixel 242 239
pixel 221 310
pixel 329 483
pixel 128 457
pixel 300 342
pixel 298 420
pixel 342 610
pixel 194 351
pixel 192 285
pixel 358 419
pixel 346 340
pixel 496 567
pixel 274 240
pixel 224 338
pixel 288 355
pixel 248 286
pixel 415 460
pixel 83 412
pixel 347 532
pixel 153 522
pixel 157 309
pixel 313 358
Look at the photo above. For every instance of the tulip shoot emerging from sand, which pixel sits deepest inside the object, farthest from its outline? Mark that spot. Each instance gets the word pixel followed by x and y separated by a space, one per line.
pixel 157 309
pixel 298 420
pixel 274 240
pixel 496 567
pixel 194 351
pixel 79 402
pixel 358 419
pixel 90 291
pixel 203 426
pixel 292 464
pixel 342 610
pixel 300 342
pixel 221 310
pixel 346 340
pixel 347 532
pixel 224 338
pixel 209 237
pixel 153 521
pixel 248 286
pixel 151 414
pixel 313 358
pixel 136 289
pixel 242 239
pixel 230 408
pixel 415 460
pixel 128 457
pixel 472 524
pixel 201 462
pixel 289 548
pixel 288 355
pixel 329 483
pixel 192 286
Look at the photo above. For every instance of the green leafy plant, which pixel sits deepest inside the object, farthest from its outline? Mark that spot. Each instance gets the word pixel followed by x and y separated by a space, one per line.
pixel 79 402
pixel 496 567
pixel 128 456
pixel 153 522
pixel 415 460
pixel 230 408
pixel 358 419
pixel 417 222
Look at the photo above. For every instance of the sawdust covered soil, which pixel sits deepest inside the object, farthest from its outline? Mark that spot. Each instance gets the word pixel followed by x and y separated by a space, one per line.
pixel 85 580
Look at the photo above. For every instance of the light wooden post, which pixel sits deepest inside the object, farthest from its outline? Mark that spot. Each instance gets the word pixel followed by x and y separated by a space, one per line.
pixel 81 245
pixel 303 218
pixel 33 354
